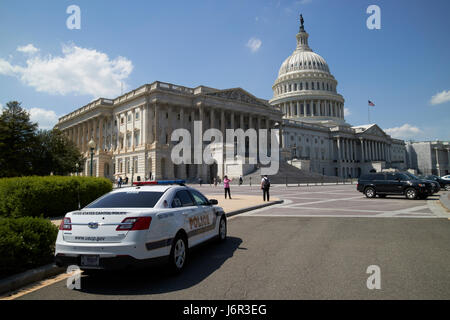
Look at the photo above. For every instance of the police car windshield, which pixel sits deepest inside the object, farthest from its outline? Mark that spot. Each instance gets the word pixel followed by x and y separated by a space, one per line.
pixel 128 199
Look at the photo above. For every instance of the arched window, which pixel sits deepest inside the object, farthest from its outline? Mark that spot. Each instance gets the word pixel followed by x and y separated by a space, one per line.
pixel 312 85
pixel 306 86
pixel 301 85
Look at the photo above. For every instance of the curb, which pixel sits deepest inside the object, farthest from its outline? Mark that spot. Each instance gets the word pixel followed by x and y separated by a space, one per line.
pixel 235 212
pixel 20 280
pixel 445 202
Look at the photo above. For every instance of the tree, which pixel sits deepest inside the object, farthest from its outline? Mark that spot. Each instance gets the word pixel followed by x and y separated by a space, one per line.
pixel 17 138
pixel 55 153
pixel 26 151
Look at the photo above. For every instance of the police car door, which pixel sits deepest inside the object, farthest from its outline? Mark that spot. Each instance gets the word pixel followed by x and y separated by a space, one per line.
pixel 204 222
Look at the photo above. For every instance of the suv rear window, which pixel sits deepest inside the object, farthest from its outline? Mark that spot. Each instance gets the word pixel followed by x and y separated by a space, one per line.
pixel 129 199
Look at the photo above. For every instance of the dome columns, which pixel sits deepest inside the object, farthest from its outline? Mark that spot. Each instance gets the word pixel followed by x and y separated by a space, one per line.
pixel 321 108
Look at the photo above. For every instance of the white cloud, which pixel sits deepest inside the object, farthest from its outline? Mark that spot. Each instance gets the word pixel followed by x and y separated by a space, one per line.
pixel 304 1
pixel 78 71
pixel 46 119
pixel 405 131
pixel 254 44
pixel 29 48
pixel 347 112
pixel 440 97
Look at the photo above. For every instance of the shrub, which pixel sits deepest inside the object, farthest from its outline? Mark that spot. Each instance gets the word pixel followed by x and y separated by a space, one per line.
pixel 50 196
pixel 25 243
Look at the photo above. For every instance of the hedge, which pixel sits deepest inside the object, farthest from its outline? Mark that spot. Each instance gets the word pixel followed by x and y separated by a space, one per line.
pixel 51 196
pixel 25 243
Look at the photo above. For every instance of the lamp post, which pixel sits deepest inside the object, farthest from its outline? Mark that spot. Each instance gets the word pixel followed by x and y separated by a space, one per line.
pixel 77 166
pixel 92 146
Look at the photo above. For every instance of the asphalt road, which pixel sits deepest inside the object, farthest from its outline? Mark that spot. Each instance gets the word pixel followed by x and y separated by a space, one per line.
pixel 300 250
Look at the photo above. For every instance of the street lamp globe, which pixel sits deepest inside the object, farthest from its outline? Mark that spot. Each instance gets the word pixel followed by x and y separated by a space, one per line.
pixel 91 144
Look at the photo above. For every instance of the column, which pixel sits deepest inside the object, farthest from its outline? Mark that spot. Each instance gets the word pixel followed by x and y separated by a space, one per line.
pixel 222 123
pixel 101 140
pixel 298 108
pixel 212 118
pixel 351 150
pixel 156 133
pixel 241 121
pixel 339 156
pixel 232 120
pixel 362 151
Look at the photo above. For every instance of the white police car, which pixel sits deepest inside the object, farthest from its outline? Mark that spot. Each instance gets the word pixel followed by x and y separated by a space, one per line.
pixel 156 221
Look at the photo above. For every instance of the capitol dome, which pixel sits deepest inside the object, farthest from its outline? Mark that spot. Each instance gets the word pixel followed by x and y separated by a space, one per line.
pixel 305 89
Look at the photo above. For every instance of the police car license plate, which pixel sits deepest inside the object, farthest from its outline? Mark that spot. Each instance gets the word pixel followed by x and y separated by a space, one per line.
pixel 90 261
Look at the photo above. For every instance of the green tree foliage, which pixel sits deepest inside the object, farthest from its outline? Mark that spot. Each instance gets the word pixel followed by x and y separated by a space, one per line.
pixel 55 154
pixel 26 151
pixel 17 140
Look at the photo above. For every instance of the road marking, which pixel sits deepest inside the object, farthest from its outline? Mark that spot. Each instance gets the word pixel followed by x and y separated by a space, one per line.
pixel 35 286
pixel 294 215
pixel 316 202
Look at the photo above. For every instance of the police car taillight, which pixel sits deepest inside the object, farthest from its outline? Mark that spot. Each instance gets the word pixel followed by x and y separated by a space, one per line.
pixel 141 223
pixel 66 224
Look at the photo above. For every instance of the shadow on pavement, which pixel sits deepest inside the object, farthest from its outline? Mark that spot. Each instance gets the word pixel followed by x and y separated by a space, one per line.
pixel 203 261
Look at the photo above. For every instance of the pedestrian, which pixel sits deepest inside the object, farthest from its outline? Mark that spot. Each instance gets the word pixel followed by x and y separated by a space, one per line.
pixel 126 180
pixel 226 185
pixel 200 181
pixel 215 181
pixel 119 182
pixel 241 180
pixel 265 186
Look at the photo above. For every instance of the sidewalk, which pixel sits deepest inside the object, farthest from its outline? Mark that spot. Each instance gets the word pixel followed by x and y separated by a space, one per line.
pixel 445 200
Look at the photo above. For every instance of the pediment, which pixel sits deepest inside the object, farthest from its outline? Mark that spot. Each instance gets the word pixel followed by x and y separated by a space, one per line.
pixel 375 130
pixel 237 94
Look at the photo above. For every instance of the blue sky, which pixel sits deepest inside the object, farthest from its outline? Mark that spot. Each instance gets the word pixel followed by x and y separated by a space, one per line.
pixel 53 70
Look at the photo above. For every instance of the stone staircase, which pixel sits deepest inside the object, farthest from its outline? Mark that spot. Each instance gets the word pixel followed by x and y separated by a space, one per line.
pixel 288 174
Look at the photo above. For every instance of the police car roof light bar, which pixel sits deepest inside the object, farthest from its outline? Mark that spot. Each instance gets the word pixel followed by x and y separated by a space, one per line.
pixel 159 182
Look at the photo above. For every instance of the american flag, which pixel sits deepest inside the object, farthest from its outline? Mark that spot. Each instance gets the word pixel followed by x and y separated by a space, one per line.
pixel 371 104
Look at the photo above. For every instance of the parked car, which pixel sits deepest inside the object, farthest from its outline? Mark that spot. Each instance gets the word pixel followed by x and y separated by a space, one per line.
pixel 442 182
pixel 155 221
pixel 447 177
pixel 397 183
pixel 436 186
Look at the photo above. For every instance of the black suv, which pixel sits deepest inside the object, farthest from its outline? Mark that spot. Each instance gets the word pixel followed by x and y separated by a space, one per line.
pixel 394 183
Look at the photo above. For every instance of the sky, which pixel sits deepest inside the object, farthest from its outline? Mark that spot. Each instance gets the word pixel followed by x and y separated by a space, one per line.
pixel 403 67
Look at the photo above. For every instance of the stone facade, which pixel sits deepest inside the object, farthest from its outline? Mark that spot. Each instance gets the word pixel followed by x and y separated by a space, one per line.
pixel 133 132
pixel 429 157
pixel 314 127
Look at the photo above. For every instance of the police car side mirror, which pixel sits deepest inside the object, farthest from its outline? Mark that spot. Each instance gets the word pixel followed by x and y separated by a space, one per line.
pixel 213 202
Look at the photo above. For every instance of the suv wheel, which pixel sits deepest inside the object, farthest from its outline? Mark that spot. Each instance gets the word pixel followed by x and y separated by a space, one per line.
pixel 411 193
pixel 370 192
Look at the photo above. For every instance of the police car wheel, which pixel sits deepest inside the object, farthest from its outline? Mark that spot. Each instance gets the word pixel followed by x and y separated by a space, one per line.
pixel 222 230
pixel 178 253
pixel 411 193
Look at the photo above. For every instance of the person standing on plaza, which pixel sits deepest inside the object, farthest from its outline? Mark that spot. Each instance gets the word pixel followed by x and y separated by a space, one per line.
pixel 119 182
pixel 226 185
pixel 241 180
pixel 265 186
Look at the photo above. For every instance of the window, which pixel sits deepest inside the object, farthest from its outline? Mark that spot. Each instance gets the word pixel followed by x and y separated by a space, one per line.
pixel 306 86
pixel 121 120
pixel 312 85
pixel 129 199
pixel 199 198
pixel 137 115
pixel 129 118
pixel 182 199
pixel 301 85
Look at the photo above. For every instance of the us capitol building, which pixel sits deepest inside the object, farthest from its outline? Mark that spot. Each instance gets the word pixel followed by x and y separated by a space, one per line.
pixel 132 132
